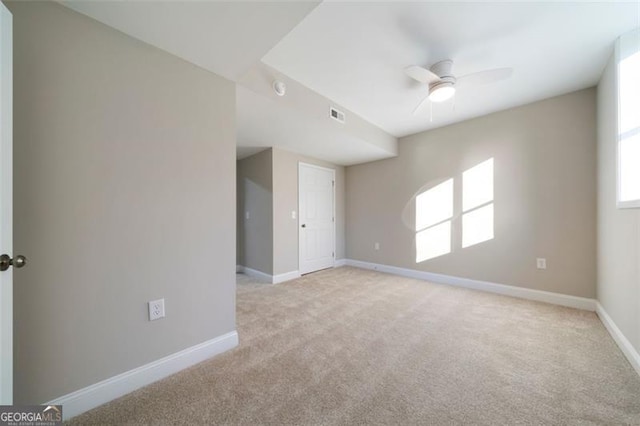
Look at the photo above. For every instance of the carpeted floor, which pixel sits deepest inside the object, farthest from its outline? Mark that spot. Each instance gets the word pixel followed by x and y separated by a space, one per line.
pixel 348 346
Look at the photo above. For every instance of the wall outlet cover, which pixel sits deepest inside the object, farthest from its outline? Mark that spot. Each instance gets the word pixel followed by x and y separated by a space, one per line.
pixel 156 309
pixel 541 263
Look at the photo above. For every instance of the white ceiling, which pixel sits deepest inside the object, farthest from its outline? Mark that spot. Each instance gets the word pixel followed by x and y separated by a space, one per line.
pixel 263 120
pixel 300 122
pixel 352 54
pixel 226 37
pixel 355 53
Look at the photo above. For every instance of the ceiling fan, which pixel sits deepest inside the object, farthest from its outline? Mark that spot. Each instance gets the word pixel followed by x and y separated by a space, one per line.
pixel 443 84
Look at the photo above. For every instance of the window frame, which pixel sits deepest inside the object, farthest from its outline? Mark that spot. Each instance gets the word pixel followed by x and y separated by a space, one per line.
pixel 635 203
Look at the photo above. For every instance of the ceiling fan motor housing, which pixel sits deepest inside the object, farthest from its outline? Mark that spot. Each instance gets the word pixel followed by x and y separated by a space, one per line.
pixel 442 69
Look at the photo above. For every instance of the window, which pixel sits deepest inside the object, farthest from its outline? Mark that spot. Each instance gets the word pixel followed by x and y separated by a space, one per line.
pixel 628 69
pixel 434 211
pixel 477 204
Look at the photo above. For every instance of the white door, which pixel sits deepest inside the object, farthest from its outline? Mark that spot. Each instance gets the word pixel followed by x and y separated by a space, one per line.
pixel 6 207
pixel 316 186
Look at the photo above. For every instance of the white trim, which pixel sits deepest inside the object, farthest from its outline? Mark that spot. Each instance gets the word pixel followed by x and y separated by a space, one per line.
pixel 626 45
pixel 6 204
pixel 287 276
pixel 273 279
pixel 253 273
pixel 340 262
pixel 315 166
pixel 507 290
pixel 107 390
pixel 631 204
pixel 623 343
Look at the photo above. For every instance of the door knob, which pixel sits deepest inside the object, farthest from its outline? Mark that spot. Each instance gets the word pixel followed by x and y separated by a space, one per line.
pixel 6 261
pixel 303 225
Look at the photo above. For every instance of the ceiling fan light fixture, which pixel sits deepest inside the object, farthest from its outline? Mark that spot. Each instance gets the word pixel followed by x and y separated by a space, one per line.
pixel 441 91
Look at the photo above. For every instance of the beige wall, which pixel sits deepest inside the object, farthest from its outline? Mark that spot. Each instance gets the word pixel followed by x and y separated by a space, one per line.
pixel 618 229
pixel 255 196
pixel 285 200
pixel 544 196
pixel 124 193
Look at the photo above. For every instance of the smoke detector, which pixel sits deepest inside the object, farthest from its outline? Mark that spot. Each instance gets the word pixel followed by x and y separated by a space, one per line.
pixel 279 87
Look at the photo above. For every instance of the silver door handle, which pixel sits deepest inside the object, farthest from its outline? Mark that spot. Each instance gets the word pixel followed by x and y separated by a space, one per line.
pixel 303 225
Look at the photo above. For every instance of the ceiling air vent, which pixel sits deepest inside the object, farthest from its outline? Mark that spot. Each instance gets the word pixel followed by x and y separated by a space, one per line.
pixel 336 115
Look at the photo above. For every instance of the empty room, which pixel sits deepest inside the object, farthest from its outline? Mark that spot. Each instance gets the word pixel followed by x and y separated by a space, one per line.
pixel 319 212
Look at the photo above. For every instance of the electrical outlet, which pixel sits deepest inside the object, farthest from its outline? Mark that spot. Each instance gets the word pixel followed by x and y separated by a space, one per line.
pixel 293 214
pixel 376 246
pixel 541 263
pixel 156 309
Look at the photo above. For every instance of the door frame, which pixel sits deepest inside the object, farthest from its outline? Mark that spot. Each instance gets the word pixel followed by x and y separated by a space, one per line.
pixel 6 205
pixel 302 164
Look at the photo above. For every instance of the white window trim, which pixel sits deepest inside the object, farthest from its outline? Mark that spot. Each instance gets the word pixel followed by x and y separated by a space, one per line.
pixel 629 204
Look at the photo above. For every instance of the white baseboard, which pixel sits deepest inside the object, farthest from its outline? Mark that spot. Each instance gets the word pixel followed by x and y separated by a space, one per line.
pixel 623 343
pixel 507 290
pixel 287 276
pixel 254 273
pixel 340 262
pixel 107 390
pixel 273 279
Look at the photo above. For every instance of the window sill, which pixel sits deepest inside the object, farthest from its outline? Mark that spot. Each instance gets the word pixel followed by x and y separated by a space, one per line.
pixel 633 204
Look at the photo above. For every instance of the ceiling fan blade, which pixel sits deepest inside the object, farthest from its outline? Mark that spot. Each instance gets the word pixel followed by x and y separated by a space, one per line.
pixel 422 102
pixel 484 77
pixel 420 74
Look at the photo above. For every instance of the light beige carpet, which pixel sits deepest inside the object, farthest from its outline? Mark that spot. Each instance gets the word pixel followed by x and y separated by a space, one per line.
pixel 349 346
